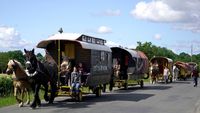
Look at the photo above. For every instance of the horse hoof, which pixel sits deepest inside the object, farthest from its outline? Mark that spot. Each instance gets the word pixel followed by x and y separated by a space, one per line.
pixel 46 98
pixel 21 104
pixel 33 106
pixel 28 102
pixel 50 102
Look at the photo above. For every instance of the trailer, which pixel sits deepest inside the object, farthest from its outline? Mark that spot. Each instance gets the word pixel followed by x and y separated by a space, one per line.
pixel 90 51
pixel 185 70
pixel 129 67
pixel 161 62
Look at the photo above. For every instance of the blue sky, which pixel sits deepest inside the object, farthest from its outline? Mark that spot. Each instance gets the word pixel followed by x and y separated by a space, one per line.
pixel 174 24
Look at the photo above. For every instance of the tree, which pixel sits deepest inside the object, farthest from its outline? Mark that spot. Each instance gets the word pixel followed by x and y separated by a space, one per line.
pixel 40 57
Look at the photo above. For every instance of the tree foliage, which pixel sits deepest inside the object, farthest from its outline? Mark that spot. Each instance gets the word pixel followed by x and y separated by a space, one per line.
pixel 17 55
pixel 151 50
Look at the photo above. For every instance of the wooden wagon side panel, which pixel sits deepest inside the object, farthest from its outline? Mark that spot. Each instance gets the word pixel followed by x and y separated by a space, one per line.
pixel 83 56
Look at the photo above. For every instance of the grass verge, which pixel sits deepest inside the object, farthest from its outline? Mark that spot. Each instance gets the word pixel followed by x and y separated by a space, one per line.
pixel 10 100
pixel 7 100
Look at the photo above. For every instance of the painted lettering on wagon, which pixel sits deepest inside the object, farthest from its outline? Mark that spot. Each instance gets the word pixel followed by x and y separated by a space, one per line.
pixel 100 68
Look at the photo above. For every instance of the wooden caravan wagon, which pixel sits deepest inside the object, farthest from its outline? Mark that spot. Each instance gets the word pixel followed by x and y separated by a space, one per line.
pixel 184 70
pixel 90 51
pixel 192 65
pixel 161 62
pixel 128 66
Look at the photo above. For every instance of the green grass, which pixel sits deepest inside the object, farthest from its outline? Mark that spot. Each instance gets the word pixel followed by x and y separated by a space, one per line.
pixel 6 101
pixel 146 80
pixel 10 100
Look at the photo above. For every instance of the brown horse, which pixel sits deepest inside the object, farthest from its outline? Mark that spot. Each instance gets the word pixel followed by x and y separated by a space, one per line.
pixel 154 72
pixel 20 81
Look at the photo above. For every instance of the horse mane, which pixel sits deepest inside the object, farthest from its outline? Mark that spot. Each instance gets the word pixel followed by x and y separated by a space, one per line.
pixel 49 58
pixel 18 63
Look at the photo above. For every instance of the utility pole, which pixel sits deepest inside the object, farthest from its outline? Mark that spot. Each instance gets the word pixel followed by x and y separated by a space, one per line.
pixel 191 51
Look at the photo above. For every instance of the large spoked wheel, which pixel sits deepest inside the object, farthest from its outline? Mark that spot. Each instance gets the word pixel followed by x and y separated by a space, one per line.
pixel 141 83
pixel 79 96
pixel 170 79
pixel 111 87
pixel 98 92
pixel 125 85
pixel 104 88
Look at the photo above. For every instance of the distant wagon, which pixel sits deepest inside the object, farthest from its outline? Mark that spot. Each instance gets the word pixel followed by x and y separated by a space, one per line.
pixel 128 66
pixel 192 65
pixel 90 51
pixel 161 62
pixel 184 70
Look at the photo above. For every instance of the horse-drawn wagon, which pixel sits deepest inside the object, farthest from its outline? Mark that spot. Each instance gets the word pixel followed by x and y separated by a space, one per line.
pixel 90 51
pixel 192 65
pixel 128 66
pixel 184 70
pixel 158 64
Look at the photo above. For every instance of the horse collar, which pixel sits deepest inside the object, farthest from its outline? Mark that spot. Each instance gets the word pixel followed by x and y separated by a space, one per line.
pixel 31 74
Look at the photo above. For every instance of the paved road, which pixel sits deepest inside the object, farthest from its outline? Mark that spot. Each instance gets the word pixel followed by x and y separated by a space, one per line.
pixel 179 97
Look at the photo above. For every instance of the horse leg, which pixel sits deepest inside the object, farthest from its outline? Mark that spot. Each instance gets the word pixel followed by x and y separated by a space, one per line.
pixel 46 97
pixel 53 92
pixel 22 98
pixel 15 95
pixel 36 100
pixel 28 96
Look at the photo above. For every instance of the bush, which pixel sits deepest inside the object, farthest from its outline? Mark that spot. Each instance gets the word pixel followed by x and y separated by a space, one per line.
pixel 6 85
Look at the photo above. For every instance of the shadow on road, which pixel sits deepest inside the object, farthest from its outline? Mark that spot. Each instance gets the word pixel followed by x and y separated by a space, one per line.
pixel 150 87
pixel 157 87
pixel 92 99
pixel 182 82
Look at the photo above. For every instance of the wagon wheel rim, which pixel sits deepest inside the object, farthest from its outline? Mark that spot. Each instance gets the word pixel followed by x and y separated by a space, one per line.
pixel 80 96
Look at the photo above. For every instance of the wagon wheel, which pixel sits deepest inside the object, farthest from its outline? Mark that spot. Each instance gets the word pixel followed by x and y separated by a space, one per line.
pixel 141 83
pixel 125 85
pixel 170 79
pixel 79 96
pixel 98 92
pixel 111 87
pixel 104 88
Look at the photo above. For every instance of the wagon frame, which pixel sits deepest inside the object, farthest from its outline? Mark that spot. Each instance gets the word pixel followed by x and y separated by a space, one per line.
pixel 90 51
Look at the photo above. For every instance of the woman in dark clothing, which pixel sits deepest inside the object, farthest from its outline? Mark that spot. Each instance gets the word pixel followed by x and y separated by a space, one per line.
pixel 195 75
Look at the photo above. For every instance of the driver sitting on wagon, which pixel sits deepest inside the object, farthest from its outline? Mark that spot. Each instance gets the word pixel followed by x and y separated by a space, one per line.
pixel 65 71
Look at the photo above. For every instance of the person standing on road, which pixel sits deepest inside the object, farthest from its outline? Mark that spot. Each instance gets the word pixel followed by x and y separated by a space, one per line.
pixel 175 73
pixel 195 75
pixel 166 74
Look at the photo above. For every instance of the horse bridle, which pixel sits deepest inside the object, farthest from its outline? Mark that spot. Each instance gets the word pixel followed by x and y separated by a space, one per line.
pixel 29 66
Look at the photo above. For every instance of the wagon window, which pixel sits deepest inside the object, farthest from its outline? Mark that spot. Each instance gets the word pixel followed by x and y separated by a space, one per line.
pixel 103 56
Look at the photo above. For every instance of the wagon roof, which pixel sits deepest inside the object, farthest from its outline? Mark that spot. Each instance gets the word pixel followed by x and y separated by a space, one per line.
pixel 183 65
pixel 133 53
pixel 142 55
pixel 164 58
pixel 72 37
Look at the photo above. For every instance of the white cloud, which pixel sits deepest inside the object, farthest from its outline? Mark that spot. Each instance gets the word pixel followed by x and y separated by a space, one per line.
pixel 133 46
pixel 156 11
pixel 157 37
pixel 186 46
pixel 108 12
pixel 111 43
pixel 184 14
pixel 10 39
pixel 104 30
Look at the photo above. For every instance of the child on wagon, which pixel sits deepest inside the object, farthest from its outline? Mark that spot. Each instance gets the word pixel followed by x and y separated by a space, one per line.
pixel 75 80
